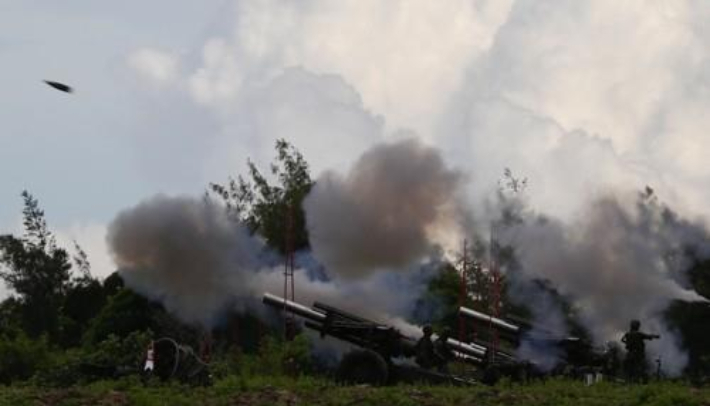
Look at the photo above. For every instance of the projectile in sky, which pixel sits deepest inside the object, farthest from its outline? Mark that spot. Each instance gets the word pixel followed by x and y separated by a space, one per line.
pixel 59 86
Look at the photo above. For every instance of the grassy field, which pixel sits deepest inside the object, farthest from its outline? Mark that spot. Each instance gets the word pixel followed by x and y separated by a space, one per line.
pixel 236 390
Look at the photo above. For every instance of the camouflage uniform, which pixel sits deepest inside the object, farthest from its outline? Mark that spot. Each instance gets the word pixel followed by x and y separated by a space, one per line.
pixel 442 352
pixel 635 362
pixel 424 350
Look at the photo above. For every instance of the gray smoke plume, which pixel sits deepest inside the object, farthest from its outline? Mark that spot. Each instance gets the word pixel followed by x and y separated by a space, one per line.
pixel 384 212
pixel 539 344
pixel 618 262
pixel 189 255
pixel 185 253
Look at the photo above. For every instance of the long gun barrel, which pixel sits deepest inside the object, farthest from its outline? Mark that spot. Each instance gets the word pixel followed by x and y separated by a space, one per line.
pixel 499 323
pixel 470 350
pixel 293 307
pixel 515 331
pixel 343 314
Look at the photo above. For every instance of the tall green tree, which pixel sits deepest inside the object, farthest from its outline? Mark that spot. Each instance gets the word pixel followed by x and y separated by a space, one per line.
pixel 83 299
pixel 272 210
pixel 36 269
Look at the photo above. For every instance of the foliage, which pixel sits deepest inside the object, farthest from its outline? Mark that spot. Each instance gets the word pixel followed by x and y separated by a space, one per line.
pixel 112 284
pixel 36 269
pixel 271 210
pixel 690 320
pixel 110 358
pixel 438 305
pixel 277 357
pixel 21 356
pixel 10 315
pixel 84 299
pixel 265 390
pixel 124 313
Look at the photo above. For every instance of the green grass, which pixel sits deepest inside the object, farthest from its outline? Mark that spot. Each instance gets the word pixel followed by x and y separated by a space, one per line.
pixel 259 390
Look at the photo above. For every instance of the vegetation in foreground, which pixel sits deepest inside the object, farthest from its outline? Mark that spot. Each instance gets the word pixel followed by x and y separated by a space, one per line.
pixel 260 390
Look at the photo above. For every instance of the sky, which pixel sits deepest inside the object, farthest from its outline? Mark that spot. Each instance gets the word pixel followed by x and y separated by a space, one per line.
pixel 581 98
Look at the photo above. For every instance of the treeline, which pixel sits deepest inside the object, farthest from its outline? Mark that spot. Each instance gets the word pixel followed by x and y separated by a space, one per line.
pixel 64 325
pixel 61 321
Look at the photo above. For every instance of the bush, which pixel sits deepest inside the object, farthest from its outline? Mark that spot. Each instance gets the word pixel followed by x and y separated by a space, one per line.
pixel 277 357
pixel 110 358
pixel 124 313
pixel 21 357
pixel 274 358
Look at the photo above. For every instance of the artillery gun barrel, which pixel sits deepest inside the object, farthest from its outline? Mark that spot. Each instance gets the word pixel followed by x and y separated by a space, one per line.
pixel 330 309
pixel 499 352
pixel 349 338
pixel 500 323
pixel 472 350
pixel 293 307
pixel 469 359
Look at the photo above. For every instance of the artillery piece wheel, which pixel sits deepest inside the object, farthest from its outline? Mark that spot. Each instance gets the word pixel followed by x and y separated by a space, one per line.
pixel 167 358
pixel 363 366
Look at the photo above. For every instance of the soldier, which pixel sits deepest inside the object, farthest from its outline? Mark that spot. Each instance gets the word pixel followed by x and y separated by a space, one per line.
pixel 149 366
pixel 149 359
pixel 442 351
pixel 424 350
pixel 635 361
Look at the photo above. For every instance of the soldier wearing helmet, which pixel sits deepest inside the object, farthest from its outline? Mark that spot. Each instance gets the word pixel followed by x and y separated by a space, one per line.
pixel 635 363
pixel 424 350
pixel 442 351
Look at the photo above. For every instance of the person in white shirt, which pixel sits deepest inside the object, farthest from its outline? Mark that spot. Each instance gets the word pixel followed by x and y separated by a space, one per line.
pixel 149 359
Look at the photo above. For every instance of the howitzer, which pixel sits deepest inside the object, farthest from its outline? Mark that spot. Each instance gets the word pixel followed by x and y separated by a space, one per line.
pixel 379 344
pixel 576 354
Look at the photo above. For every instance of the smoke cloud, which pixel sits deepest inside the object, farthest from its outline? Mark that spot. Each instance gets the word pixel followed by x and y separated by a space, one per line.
pixel 383 213
pixel 618 261
pixel 185 253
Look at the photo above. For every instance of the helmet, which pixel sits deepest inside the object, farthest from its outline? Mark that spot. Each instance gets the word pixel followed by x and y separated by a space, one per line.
pixel 635 325
pixel 427 330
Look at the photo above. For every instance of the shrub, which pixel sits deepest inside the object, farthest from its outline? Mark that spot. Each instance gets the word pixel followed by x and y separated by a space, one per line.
pixel 110 358
pixel 21 357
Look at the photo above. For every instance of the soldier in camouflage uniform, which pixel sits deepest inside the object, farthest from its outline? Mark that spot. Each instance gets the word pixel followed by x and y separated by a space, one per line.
pixel 443 353
pixel 424 350
pixel 635 362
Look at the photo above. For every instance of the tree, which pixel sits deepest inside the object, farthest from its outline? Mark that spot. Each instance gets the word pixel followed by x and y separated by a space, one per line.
pixel 272 210
pixel 84 297
pixel 438 304
pixel 36 269
pixel 127 312
pixel 83 301
pixel 112 284
pixel 21 357
pixel 124 313
pixel 10 315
